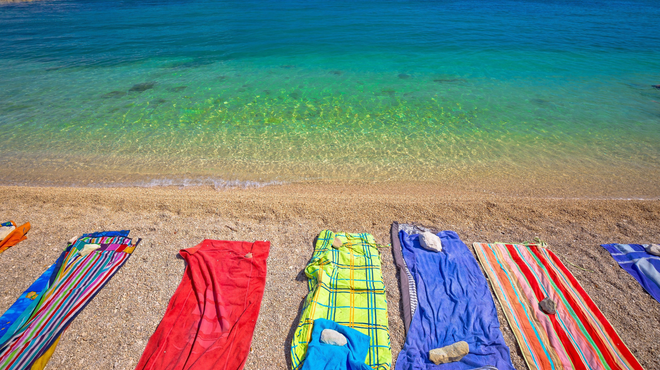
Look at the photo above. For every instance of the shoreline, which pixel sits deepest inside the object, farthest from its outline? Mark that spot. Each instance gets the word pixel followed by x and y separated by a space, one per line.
pixel 113 330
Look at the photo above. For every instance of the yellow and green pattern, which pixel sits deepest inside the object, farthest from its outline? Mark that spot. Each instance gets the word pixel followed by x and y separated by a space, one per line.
pixel 346 286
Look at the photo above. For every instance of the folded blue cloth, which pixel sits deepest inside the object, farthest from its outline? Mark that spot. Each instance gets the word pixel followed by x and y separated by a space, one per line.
pixel 321 356
pixel 453 304
pixel 107 233
pixel 641 265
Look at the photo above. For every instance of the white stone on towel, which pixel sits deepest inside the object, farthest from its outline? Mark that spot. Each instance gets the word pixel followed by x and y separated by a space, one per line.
pixel 653 249
pixel 430 241
pixel 333 337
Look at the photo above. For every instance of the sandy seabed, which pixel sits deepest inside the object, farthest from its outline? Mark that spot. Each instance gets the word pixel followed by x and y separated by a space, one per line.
pixel 113 330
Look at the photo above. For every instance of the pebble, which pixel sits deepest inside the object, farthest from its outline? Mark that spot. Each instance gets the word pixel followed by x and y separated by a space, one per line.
pixel 337 243
pixel 548 306
pixel 653 249
pixel 333 337
pixel 430 241
pixel 451 353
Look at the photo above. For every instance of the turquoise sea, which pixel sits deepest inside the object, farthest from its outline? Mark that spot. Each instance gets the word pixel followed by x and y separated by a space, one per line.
pixel 115 93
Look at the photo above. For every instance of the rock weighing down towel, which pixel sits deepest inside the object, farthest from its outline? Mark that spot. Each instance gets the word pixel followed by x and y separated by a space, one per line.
pixel 453 304
pixel 324 356
pixel 346 286
pixel 643 266
pixel 32 326
pixel 211 317
pixel 577 336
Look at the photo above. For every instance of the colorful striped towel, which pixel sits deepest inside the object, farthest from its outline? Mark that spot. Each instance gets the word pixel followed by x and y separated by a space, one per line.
pixel 346 286
pixel 578 336
pixel 640 264
pixel 36 321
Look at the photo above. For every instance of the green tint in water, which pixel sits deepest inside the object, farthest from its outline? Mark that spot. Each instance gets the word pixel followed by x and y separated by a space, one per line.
pixel 287 123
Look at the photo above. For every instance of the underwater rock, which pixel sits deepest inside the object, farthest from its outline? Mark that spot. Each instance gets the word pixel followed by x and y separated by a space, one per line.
pixel 404 76
pixel 541 101
pixel 656 86
pixel 142 87
pixel 114 94
pixel 449 80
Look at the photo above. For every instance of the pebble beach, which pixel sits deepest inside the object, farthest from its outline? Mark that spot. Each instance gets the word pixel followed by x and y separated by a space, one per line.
pixel 113 330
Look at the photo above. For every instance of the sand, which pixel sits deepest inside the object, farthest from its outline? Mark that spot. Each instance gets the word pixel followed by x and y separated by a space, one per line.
pixel 112 331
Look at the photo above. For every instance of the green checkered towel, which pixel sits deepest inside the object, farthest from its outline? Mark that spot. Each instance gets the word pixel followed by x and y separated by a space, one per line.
pixel 346 286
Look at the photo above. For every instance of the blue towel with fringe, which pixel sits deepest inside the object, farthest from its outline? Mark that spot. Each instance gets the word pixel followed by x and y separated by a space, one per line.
pixel 454 304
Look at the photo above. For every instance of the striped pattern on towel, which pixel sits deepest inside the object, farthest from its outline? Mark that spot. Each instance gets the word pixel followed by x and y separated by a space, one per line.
pixel 577 337
pixel 346 286
pixel 644 267
pixel 75 280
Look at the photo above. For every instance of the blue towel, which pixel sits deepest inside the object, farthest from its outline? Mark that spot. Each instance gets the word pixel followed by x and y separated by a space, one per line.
pixel 321 356
pixel 641 265
pixel 454 304
pixel 107 233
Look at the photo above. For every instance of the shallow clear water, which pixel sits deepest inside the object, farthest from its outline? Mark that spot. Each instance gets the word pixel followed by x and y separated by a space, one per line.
pixel 134 92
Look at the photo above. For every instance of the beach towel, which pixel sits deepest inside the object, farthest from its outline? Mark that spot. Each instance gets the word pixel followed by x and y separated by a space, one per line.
pixel 322 356
pixel 346 286
pixel 211 317
pixel 36 321
pixel 453 304
pixel 14 234
pixel 640 264
pixel 577 336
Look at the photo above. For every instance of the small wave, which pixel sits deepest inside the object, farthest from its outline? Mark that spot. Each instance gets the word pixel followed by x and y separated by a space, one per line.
pixel 217 184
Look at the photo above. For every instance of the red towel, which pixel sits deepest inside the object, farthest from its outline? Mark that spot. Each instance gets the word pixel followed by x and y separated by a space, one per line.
pixel 210 320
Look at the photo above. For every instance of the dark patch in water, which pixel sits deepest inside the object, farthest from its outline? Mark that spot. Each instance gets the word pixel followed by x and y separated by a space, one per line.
pixel 288 66
pixel 53 68
pixel 13 107
pixel 296 95
pixel 449 80
pixel 267 92
pixel 222 78
pixel 359 82
pixel 159 101
pixel 178 88
pixel 143 87
pixel 389 92
pixel 656 86
pixel 541 102
pixel 336 73
pixel 114 94
pixel 404 76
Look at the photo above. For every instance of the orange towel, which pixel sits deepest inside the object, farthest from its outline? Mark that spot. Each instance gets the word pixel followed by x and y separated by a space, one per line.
pixel 15 237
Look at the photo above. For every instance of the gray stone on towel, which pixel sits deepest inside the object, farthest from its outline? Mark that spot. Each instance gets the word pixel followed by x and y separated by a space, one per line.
pixel 548 306
pixel 430 241
pixel 653 249
pixel 333 337
pixel 336 243
pixel 450 353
